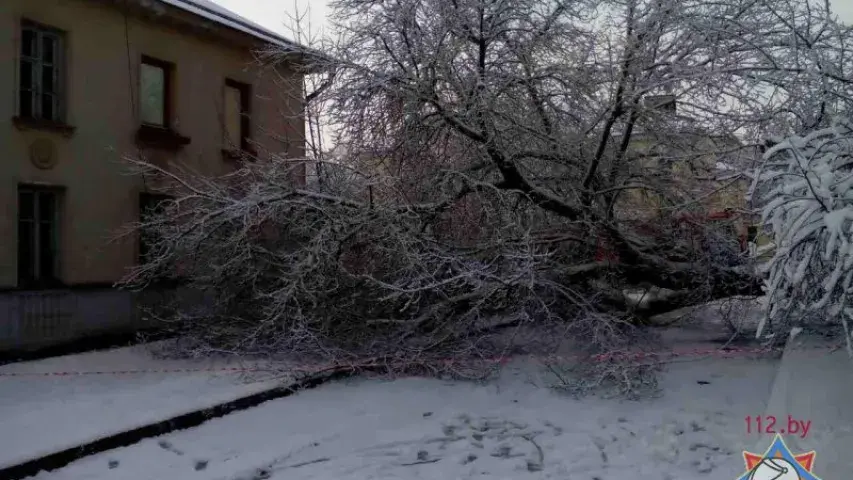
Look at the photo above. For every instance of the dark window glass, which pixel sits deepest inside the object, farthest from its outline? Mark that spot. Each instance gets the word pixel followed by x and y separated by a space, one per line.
pixel 47 83
pixel 26 75
pixel 26 205
pixel 47 208
pixel 46 250
pixel 26 101
pixel 40 72
pixel 48 46
pixel 37 237
pixel 752 232
pixel 47 107
pixel 28 43
pixel 26 240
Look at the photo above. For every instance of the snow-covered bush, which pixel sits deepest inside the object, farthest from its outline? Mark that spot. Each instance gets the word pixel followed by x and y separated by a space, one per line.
pixel 805 191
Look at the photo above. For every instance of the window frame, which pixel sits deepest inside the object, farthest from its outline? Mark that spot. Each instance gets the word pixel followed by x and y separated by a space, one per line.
pixel 245 113
pixel 168 85
pixel 38 280
pixel 37 64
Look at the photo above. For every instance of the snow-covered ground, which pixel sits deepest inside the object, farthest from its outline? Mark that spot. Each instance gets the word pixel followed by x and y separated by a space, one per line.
pixel 40 415
pixel 816 385
pixel 512 428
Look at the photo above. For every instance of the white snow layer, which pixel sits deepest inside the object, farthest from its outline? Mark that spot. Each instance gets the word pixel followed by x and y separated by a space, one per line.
pixel 513 428
pixel 40 415
pixel 212 11
pixel 806 192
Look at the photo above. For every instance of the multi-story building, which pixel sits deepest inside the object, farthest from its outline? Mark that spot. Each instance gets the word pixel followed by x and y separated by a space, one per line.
pixel 88 82
pixel 690 178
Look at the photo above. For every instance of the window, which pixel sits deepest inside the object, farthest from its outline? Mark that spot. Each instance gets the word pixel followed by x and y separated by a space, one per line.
pixel 40 79
pixel 661 103
pixel 38 237
pixel 149 203
pixel 752 233
pixel 236 115
pixel 155 90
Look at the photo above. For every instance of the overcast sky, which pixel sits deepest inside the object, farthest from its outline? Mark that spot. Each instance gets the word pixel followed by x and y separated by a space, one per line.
pixel 273 14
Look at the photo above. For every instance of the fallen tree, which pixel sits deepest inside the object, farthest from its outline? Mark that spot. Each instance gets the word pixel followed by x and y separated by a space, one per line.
pixel 497 146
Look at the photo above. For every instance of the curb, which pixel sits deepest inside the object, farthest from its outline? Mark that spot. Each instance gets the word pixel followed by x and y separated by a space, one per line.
pixel 779 379
pixel 62 458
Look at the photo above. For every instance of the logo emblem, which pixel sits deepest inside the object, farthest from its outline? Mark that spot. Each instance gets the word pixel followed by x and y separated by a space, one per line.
pixel 778 463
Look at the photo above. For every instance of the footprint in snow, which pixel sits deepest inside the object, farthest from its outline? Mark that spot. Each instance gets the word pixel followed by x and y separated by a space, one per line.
pixel 165 445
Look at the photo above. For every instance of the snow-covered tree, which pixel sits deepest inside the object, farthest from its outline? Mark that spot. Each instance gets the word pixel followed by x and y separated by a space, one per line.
pixel 805 190
pixel 497 143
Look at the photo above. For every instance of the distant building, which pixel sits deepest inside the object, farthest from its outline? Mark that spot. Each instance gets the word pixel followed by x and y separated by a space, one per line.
pixel 689 176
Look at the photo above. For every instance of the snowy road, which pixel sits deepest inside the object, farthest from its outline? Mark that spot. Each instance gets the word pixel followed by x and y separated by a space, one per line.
pixel 512 428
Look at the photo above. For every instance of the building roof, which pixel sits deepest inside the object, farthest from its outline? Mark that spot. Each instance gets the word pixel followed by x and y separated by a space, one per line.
pixel 216 13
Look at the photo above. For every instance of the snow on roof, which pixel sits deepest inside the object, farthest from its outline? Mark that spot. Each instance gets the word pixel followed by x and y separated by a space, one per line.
pixel 212 11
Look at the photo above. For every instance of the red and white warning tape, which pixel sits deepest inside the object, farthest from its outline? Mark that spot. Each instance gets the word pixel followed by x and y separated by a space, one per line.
pixel 631 356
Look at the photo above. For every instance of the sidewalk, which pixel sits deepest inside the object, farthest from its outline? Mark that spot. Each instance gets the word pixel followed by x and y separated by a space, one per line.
pixel 42 414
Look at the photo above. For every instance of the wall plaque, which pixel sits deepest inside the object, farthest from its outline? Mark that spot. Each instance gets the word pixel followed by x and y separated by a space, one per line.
pixel 43 154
